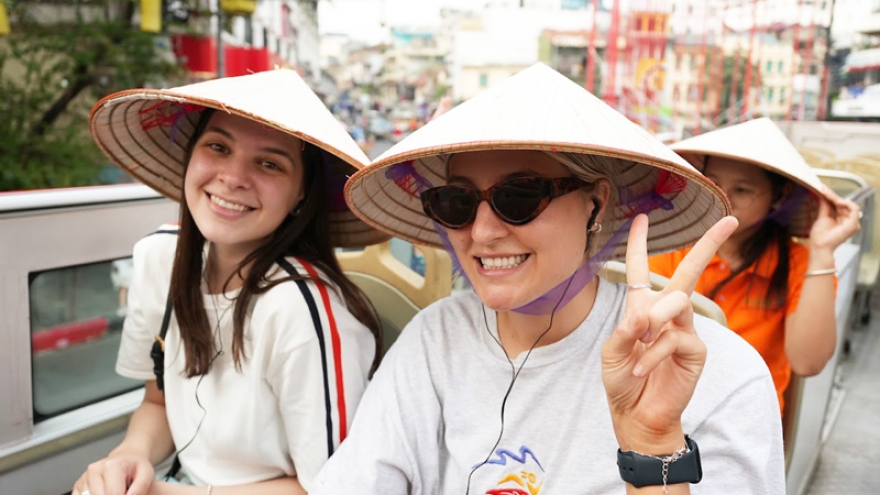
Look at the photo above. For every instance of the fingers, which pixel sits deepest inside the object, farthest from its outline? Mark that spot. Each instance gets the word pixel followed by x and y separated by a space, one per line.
pixel 674 307
pixel 849 211
pixel 637 271
pixel 142 480
pixel 683 346
pixel 114 479
pixel 622 340
pixel 691 267
pixel 79 486
pixel 673 313
pixel 95 479
pixel 836 222
pixel 109 477
pixel 825 208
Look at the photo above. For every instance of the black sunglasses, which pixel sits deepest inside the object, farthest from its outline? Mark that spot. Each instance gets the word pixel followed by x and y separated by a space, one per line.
pixel 517 201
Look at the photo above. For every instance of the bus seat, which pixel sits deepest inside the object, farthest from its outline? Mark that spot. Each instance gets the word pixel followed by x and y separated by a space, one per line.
pixel 396 291
pixel 615 272
pixel 790 415
pixel 858 178
pixel 815 157
pixel 869 170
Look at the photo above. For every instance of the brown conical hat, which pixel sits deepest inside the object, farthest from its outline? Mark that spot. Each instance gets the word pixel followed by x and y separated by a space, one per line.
pixel 146 132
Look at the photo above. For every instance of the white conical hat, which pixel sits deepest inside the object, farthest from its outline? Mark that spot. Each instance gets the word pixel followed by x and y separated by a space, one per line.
pixel 760 142
pixel 538 109
pixel 146 132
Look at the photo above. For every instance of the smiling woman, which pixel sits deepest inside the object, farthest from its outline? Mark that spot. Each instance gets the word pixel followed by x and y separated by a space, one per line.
pixel 241 182
pixel 259 334
pixel 531 382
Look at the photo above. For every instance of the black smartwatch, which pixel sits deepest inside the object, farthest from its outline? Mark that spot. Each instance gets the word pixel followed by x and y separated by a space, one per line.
pixel 646 470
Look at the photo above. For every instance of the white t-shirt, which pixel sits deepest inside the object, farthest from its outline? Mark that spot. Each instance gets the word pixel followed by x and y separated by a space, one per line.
pixel 432 413
pixel 295 395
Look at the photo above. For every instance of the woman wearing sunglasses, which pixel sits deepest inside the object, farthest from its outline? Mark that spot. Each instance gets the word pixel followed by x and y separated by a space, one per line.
pixel 777 294
pixel 547 378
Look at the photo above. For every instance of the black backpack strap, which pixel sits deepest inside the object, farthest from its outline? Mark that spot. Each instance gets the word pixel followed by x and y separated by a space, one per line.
pixel 158 351
pixel 158 355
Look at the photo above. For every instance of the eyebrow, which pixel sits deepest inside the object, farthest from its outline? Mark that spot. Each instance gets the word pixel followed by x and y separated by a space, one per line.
pixel 268 149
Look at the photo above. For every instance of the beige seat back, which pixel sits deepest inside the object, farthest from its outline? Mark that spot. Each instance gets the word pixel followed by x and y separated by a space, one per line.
pixel 396 291
pixel 615 271
pixel 868 168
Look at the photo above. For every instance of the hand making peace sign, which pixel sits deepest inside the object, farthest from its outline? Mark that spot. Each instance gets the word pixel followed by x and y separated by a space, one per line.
pixel 653 359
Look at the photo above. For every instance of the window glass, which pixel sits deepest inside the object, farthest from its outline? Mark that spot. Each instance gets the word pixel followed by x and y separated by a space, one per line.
pixel 409 255
pixel 76 316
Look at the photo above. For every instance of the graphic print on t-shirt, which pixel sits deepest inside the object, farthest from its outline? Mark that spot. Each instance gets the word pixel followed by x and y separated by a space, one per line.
pixel 517 473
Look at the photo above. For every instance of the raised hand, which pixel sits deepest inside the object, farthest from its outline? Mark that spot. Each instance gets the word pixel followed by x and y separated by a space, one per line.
pixel 653 359
pixel 116 475
pixel 838 219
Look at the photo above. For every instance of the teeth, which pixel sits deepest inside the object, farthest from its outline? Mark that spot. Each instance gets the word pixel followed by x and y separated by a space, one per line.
pixel 228 205
pixel 503 262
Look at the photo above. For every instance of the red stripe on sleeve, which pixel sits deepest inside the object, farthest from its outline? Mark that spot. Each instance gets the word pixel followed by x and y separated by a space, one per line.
pixel 337 347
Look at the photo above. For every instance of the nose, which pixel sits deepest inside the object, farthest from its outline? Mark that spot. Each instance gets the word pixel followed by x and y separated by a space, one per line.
pixel 487 227
pixel 236 173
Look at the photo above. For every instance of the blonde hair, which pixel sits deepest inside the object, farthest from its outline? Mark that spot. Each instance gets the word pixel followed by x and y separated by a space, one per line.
pixel 591 169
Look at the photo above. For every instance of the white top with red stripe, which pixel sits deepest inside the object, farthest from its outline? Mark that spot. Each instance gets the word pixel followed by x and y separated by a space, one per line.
pixel 290 405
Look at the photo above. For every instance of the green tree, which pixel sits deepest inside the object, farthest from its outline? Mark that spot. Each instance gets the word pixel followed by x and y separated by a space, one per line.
pixel 57 62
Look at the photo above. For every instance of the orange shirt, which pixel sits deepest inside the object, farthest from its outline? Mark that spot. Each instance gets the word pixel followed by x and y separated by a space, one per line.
pixel 764 329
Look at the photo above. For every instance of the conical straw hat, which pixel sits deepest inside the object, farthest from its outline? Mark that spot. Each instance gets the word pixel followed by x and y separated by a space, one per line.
pixel 760 142
pixel 146 132
pixel 539 109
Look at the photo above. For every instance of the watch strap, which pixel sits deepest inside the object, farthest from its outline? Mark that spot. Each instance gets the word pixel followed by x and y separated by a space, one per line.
pixel 646 470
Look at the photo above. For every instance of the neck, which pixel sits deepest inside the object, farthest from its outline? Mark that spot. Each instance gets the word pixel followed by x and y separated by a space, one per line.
pixel 518 332
pixel 222 264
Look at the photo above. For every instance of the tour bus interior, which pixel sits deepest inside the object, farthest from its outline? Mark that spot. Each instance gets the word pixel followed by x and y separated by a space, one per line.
pixel 65 256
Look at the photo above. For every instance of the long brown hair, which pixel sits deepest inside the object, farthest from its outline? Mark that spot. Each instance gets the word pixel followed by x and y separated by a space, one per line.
pixel 304 235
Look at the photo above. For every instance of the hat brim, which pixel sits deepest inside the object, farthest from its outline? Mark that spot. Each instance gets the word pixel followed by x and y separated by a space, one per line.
pixel 393 204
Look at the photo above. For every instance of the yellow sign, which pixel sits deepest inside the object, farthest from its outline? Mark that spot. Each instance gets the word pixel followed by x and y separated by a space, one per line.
pixel 151 16
pixel 238 7
pixel 4 20
pixel 650 74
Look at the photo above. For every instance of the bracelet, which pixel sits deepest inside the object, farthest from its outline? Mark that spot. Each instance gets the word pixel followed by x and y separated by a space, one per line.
pixel 829 271
pixel 210 489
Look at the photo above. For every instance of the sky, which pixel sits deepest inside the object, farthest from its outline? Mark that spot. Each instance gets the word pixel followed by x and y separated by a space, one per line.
pixel 361 19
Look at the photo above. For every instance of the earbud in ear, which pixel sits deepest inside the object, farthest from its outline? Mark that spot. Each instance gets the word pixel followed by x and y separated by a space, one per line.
pixel 592 222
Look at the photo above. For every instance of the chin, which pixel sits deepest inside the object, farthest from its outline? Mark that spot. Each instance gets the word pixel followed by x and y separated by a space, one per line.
pixel 501 302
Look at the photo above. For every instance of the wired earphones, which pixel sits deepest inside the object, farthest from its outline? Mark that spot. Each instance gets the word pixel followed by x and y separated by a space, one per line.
pixel 514 374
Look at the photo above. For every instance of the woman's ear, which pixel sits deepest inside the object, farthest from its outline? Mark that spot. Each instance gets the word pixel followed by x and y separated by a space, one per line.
pixel 600 196
pixel 296 209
